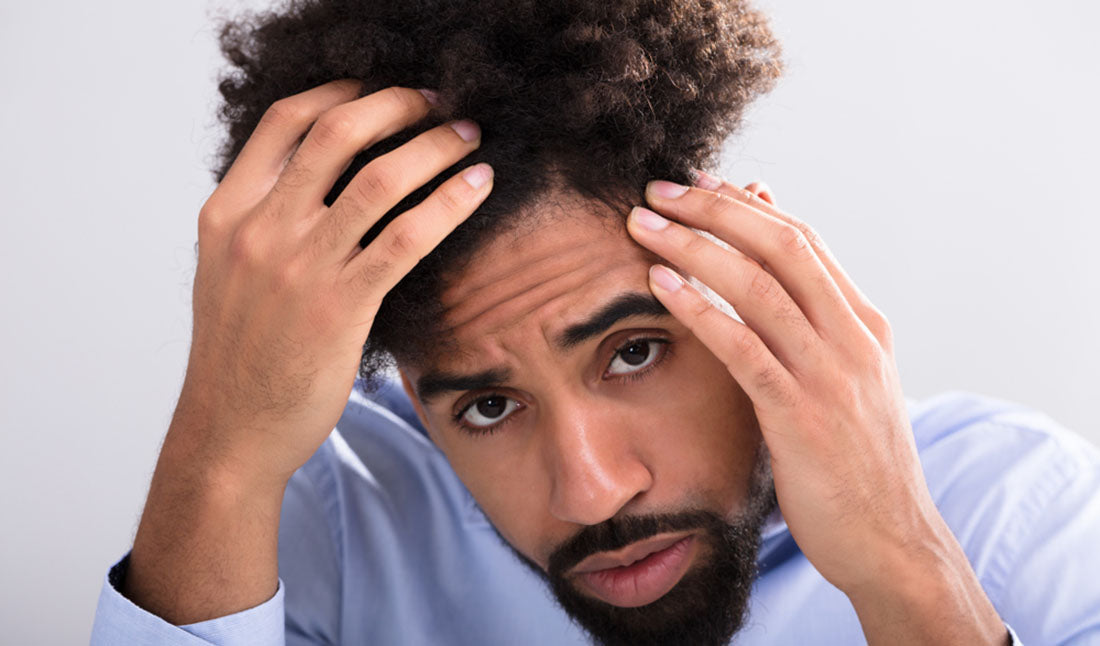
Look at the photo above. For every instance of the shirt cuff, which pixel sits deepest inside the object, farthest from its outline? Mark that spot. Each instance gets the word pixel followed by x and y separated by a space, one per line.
pixel 120 621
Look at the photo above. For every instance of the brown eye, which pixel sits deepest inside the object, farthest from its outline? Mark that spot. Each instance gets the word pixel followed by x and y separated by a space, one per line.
pixel 636 355
pixel 492 407
pixel 488 411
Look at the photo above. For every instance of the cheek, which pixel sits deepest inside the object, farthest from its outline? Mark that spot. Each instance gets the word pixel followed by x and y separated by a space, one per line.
pixel 706 435
pixel 512 496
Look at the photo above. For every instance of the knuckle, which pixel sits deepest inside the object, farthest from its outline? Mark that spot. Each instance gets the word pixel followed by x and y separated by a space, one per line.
pixel 438 147
pixel 700 307
pixel 746 345
pixel 365 281
pixel 295 176
pixel 692 243
pixel 772 384
pixel 815 240
pixel 401 98
pixel 246 247
pixel 283 114
pixel 763 286
pixel 744 193
pixel 767 379
pixel 791 241
pixel 878 324
pixel 288 275
pixel 212 222
pixel 450 199
pixel 715 204
pixel 373 183
pixel 333 128
pixel 401 241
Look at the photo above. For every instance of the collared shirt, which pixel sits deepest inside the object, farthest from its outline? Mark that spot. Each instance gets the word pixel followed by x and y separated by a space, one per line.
pixel 380 543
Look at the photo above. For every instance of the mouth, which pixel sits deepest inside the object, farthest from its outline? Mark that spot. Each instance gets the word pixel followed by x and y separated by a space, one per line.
pixel 639 573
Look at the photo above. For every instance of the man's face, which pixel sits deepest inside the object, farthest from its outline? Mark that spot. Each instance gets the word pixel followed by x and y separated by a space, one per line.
pixel 604 442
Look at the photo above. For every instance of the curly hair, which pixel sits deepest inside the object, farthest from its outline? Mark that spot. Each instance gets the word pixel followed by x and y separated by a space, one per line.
pixel 593 96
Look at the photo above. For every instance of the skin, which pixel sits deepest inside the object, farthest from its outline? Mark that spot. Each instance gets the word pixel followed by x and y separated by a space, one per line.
pixel 586 445
pixel 824 395
pixel 816 358
pixel 284 297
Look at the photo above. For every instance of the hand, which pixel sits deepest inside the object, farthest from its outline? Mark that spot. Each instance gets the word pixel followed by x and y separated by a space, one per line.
pixel 284 297
pixel 816 358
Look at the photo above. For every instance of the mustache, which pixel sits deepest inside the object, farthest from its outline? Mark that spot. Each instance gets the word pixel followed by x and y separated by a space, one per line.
pixel 616 533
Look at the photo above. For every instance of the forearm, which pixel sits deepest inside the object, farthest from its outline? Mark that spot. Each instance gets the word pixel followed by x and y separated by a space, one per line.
pixel 929 596
pixel 207 544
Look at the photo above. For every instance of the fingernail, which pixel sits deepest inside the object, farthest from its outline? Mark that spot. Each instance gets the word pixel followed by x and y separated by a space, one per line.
pixel 466 129
pixel 477 175
pixel 430 95
pixel 667 190
pixel 706 182
pixel 665 278
pixel 648 219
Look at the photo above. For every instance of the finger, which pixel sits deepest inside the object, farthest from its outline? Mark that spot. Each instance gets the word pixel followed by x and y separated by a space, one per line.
pixel 413 234
pixel 781 248
pixel 754 293
pixel 761 375
pixel 257 167
pixel 870 316
pixel 761 190
pixel 386 180
pixel 338 136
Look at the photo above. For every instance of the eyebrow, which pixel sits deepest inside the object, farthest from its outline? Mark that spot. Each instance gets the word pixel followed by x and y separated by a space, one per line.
pixel 433 384
pixel 623 306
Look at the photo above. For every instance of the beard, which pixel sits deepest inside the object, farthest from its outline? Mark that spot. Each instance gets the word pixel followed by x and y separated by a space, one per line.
pixel 706 607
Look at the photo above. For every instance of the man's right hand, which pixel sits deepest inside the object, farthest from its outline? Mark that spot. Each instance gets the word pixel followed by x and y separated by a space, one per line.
pixel 284 298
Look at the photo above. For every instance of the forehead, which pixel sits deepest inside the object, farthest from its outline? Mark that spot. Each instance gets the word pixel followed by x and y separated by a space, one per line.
pixel 563 265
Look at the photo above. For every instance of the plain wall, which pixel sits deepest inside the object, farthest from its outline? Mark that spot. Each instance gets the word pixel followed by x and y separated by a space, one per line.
pixel 946 151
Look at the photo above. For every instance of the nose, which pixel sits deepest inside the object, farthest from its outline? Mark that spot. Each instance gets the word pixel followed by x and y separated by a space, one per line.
pixel 593 464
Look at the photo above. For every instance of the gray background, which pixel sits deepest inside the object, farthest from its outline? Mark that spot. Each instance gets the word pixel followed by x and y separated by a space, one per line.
pixel 946 150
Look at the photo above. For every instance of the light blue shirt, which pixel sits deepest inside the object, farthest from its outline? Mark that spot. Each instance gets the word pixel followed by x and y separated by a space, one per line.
pixel 380 544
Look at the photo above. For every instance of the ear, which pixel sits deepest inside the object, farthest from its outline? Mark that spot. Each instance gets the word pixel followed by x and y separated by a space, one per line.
pixel 414 399
pixel 761 190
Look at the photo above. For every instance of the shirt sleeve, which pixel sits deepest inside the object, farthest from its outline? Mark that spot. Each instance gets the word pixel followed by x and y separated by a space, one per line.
pixel 120 621
pixel 309 554
pixel 1050 564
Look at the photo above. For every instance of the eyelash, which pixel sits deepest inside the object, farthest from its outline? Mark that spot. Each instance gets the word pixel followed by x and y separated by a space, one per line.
pixel 633 377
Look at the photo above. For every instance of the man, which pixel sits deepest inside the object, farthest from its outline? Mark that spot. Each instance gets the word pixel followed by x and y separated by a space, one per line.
pixel 579 414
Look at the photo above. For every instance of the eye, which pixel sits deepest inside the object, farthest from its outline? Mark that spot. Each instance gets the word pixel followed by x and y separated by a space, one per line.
pixel 488 411
pixel 636 355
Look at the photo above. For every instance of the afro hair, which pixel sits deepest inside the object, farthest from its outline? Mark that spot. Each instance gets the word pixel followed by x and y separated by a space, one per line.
pixel 594 96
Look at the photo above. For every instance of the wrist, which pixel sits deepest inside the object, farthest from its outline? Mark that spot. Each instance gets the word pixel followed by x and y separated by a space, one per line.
pixel 927 594
pixel 219 455
pixel 207 544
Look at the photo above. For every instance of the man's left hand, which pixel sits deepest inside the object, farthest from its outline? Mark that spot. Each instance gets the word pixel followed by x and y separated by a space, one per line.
pixel 817 360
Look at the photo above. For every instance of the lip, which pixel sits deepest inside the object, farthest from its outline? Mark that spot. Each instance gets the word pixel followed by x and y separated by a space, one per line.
pixel 639 573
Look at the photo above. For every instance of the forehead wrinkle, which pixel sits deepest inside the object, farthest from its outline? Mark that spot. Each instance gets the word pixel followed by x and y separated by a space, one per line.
pixel 525 292
pixel 542 274
pixel 546 294
pixel 553 264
